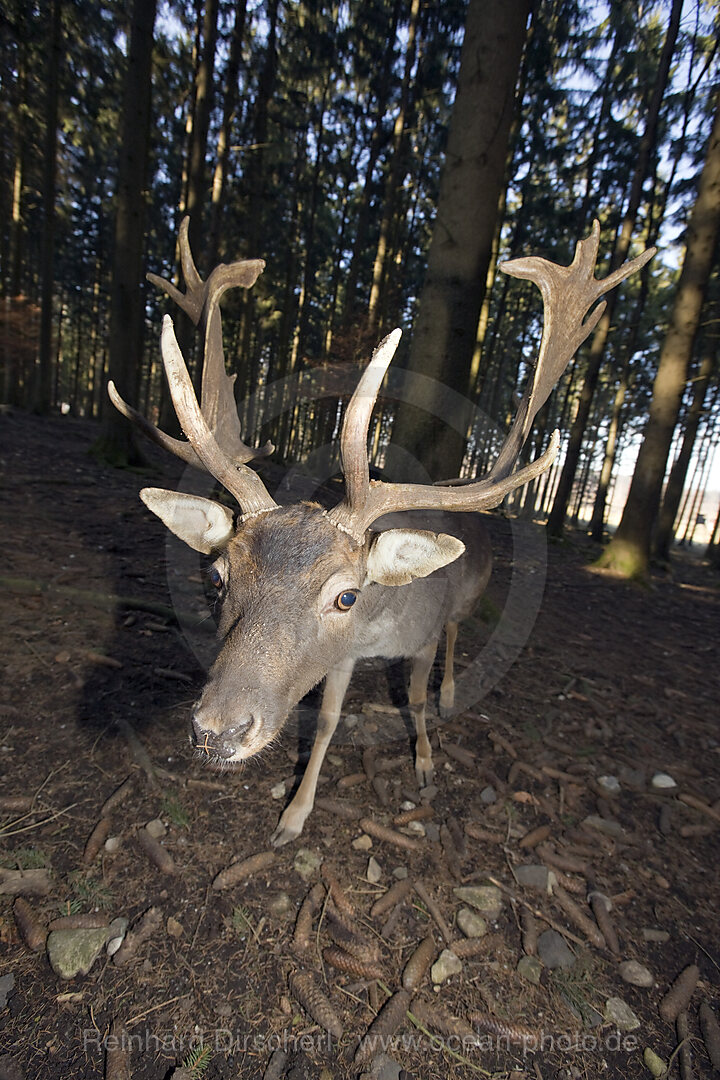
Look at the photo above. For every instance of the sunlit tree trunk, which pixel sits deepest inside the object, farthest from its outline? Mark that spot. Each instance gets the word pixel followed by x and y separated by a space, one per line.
pixel 446 326
pixel 629 550
pixel 556 520
pixel 678 473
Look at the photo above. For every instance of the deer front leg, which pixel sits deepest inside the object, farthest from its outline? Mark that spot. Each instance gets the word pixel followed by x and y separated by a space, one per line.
pixel 417 696
pixel 447 686
pixel 293 818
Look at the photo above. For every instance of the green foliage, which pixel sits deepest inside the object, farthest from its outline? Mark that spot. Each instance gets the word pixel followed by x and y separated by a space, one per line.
pixel 26 858
pixel 173 809
pixel 86 891
pixel 198 1061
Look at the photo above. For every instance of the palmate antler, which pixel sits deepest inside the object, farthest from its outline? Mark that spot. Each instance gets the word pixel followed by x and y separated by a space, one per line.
pixel 568 294
pixel 201 302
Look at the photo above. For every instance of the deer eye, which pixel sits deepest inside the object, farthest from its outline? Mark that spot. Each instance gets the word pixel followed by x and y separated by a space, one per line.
pixel 215 577
pixel 346 600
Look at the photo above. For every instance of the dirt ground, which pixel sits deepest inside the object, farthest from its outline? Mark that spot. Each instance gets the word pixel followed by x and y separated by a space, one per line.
pixel 585 679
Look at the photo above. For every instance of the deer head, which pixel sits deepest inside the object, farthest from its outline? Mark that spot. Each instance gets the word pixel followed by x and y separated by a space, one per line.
pixel 304 590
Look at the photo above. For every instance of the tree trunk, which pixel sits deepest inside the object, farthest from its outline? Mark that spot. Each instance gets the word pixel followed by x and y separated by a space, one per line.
pixel 629 550
pixel 678 473
pixel 556 521
pixel 42 393
pixel 445 331
pixel 229 109
pixel 116 442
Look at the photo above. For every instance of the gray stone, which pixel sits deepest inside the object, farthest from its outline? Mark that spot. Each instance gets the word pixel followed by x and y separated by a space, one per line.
pixel 620 1014
pixel 534 876
pixel 374 871
pixel 659 936
pixel 280 906
pixel 487 899
pixel 73 952
pixel 10 1068
pixel 116 934
pixel 554 951
pixel 530 969
pixel 306 862
pixel 662 781
pixel 471 924
pixel 447 964
pixel 636 974
pixel 156 828
pixel 488 795
pixel 602 825
pixel 611 784
pixel 384 1068
pixel 7 984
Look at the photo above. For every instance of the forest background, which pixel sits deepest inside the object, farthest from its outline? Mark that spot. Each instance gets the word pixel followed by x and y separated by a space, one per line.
pixel 383 157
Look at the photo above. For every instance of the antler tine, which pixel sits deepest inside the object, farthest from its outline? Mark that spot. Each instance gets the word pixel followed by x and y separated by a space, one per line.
pixel 568 293
pixel 200 302
pixel 353 438
pixel 244 484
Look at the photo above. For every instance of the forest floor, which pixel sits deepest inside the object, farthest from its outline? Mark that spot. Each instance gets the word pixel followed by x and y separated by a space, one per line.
pixel 610 680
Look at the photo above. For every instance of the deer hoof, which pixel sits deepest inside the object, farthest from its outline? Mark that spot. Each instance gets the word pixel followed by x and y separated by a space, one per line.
pixel 424 773
pixel 286 832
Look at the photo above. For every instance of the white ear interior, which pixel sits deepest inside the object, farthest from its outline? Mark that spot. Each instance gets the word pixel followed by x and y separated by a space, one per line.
pixel 399 555
pixel 203 524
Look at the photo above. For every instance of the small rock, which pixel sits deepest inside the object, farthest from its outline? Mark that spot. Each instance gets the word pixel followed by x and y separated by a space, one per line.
pixel 662 781
pixel 416 827
pixel 277 791
pixel 636 974
pixel 116 934
pixel 488 795
pixel 351 720
pixel 447 964
pixel 373 872
pixel 655 1064
pixel 554 951
pixel 432 831
pixel 280 906
pixel 306 862
pixel 73 952
pixel 530 969
pixel 335 760
pixel 620 1014
pixel 471 924
pixel 62 657
pixel 362 843
pixel 10 1068
pixel 113 844
pixel 649 933
pixel 427 794
pixel 174 928
pixel 611 784
pixel 156 828
pixel 485 898
pixel 536 877
pixel 7 983
pixel 384 1068
pixel 400 872
pixel 601 824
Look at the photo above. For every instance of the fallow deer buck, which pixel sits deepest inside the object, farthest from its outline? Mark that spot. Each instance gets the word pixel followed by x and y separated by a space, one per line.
pixel 305 592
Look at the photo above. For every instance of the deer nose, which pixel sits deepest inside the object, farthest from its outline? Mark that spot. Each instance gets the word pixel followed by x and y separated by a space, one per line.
pixel 220 744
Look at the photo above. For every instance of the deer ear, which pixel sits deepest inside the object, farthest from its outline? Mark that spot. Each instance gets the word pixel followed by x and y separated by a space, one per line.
pixel 399 555
pixel 203 524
